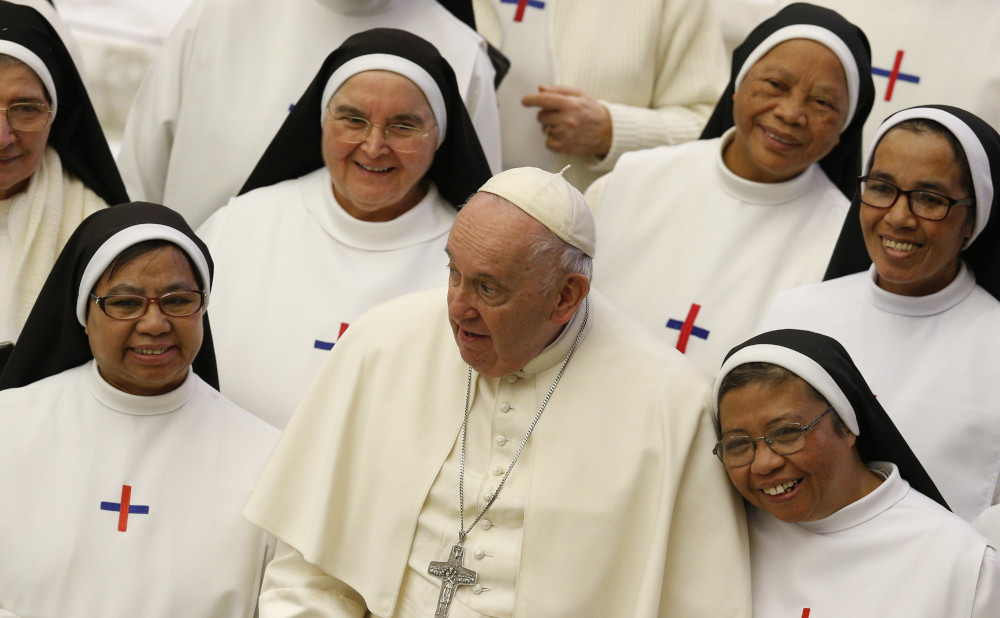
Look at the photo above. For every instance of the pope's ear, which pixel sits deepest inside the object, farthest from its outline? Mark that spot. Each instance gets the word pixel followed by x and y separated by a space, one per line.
pixel 574 289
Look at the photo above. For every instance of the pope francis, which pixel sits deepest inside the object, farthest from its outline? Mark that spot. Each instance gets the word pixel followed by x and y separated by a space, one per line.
pixel 558 465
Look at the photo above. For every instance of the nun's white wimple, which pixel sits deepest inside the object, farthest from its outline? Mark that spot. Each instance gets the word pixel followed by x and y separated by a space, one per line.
pixel 799 364
pixel 979 162
pixel 822 36
pixel 125 239
pixel 396 64
pixel 35 63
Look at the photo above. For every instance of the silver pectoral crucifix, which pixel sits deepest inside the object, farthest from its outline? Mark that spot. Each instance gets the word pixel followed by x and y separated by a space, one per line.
pixel 452 575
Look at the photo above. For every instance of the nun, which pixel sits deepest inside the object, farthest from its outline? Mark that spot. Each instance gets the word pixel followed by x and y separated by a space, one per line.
pixel 698 239
pixel 349 206
pixel 843 519
pixel 57 167
pixel 913 294
pixel 123 470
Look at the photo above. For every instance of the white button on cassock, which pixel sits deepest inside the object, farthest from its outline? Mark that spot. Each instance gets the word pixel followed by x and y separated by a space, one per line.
pixel 487 524
pixel 477 589
pixel 501 440
pixel 511 379
pixel 479 554
pixel 505 407
pixel 497 470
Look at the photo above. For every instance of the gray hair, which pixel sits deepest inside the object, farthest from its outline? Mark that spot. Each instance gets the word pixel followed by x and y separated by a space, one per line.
pixel 546 247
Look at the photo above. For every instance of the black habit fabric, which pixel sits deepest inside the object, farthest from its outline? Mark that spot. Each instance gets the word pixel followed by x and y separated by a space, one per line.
pixel 843 162
pixel 982 256
pixel 459 167
pixel 878 440
pixel 76 133
pixel 53 340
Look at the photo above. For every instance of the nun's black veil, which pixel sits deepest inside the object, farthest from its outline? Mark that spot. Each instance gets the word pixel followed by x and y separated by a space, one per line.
pixel 459 167
pixel 53 339
pixel 878 438
pixel 843 162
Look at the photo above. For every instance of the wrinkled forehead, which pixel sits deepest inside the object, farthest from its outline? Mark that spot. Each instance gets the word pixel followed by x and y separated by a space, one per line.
pixel 496 230
pixel 395 64
pixel 136 258
pixel 819 35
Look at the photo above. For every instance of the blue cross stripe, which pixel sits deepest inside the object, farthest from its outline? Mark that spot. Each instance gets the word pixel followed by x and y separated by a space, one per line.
pixel 695 330
pixel 117 506
pixel 538 4
pixel 323 345
pixel 913 79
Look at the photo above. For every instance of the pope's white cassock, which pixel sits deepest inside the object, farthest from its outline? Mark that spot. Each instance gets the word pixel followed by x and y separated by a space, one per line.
pixel 118 505
pixel 616 506
pixel 230 71
pixel 294 270
pixel 930 360
pixel 698 253
pixel 875 557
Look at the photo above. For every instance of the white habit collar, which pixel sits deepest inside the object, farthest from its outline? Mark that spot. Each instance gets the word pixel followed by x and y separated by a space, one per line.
pixel 139 405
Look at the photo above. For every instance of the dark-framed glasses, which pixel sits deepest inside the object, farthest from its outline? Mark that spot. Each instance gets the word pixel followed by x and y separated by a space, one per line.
pixel 27 117
pixel 736 451
pixel 130 306
pixel 929 205
pixel 398 136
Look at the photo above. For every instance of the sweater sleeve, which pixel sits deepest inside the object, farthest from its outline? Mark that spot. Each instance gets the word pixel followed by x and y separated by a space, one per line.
pixel 690 68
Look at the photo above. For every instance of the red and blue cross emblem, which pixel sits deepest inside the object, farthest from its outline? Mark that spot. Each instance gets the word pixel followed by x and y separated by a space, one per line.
pixel 522 5
pixel 319 344
pixel 895 74
pixel 687 328
pixel 125 508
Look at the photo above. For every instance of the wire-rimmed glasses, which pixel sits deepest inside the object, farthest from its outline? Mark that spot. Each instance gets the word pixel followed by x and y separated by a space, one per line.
pixel 131 306
pixel 737 450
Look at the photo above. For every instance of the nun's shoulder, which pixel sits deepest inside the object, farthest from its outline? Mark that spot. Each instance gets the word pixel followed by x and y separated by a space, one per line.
pixel 243 427
pixel 656 160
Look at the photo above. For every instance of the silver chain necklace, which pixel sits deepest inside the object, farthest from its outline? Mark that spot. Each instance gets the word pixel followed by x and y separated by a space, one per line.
pixel 452 573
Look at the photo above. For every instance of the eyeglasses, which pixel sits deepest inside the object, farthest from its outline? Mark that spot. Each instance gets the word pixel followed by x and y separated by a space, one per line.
pixel 786 439
pixel 129 306
pixel 400 137
pixel 928 205
pixel 27 117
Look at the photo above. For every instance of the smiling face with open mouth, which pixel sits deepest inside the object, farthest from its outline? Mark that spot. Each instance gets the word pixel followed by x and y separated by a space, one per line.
pixel 371 180
pixel 150 354
pixel 788 110
pixel 914 256
pixel 823 477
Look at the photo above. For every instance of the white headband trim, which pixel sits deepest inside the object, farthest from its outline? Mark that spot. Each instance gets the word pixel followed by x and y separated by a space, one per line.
pixel 799 364
pixel 396 64
pixel 125 239
pixel 979 162
pixel 823 36
pixel 35 63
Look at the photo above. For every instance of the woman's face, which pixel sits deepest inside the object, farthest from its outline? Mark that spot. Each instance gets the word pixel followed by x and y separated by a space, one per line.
pixel 371 180
pixel 151 354
pixel 913 256
pixel 789 111
pixel 20 152
pixel 826 475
